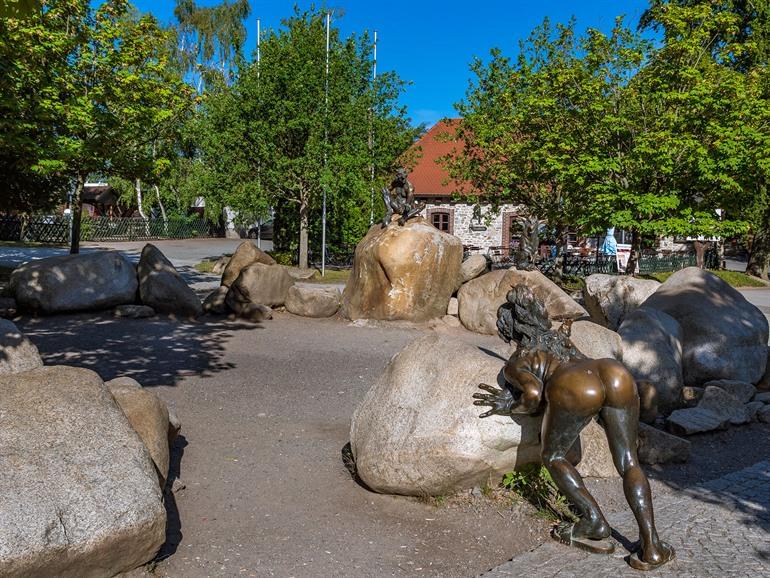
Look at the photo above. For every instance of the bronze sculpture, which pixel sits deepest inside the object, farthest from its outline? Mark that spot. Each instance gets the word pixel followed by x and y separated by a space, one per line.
pixel 571 390
pixel 399 199
pixel 529 242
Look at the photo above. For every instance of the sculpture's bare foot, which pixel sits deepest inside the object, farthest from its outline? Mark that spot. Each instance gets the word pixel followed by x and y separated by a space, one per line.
pixel 652 558
pixel 565 533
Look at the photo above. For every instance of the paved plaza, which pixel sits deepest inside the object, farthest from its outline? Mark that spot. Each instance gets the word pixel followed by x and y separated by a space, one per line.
pixel 719 529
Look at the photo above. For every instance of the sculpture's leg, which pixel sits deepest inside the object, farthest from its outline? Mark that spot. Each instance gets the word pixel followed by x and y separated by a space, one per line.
pixel 621 425
pixel 561 429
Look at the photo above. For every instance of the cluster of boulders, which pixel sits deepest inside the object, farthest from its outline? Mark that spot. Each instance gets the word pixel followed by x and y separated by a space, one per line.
pixel 82 467
pixel 696 347
pixel 101 280
pixel 253 284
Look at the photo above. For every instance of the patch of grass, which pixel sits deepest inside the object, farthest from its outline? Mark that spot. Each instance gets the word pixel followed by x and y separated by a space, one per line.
pixel 205 266
pixel 533 483
pixel 734 278
pixel 332 276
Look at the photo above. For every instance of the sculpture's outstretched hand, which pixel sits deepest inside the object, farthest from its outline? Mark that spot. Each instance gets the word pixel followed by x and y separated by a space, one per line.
pixel 500 400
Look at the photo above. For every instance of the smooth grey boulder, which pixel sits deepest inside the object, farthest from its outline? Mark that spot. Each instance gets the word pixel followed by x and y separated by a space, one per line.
pixel 595 341
pixel 723 335
pixel 651 343
pixel 724 405
pixel 659 447
pixel 214 303
pixel 416 431
pixel 610 298
pixel 741 390
pixel 148 415
pixel 259 283
pixel 17 353
pixel 162 287
pixel 79 496
pixel 246 254
pixel 480 298
pixel 472 267
pixel 83 282
pixel 313 300
pixel 753 408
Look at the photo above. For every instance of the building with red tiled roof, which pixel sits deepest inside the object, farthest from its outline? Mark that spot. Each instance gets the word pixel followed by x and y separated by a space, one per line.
pixel 478 226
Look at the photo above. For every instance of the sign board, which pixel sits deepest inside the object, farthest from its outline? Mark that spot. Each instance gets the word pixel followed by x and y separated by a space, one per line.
pixel 623 255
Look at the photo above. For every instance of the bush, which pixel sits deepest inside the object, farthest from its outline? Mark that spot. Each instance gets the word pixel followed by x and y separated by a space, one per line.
pixel 534 483
pixel 283 257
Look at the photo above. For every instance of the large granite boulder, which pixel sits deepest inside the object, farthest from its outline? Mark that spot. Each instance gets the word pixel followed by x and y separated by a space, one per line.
pixel 723 335
pixel 406 273
pixel 313 300
pixel 417 432
pixel 83 282
pixel 162 287
pixel 79 496
pixel 609 298
pixel 651 343
pixel 259 283
pixel 480 298
pixel 148 415
pixel 17 353
pixel 246 254
pixel 595 341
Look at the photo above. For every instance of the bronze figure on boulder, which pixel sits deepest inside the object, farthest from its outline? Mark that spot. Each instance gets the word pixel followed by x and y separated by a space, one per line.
pixel 548 375
pixel 399 199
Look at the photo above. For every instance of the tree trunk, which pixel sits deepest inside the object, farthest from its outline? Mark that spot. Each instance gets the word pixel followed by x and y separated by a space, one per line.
pixel 759 257
pixel 700 253
pixel 138 188
pixel 636 253
pixel 76 209
pixel 303 228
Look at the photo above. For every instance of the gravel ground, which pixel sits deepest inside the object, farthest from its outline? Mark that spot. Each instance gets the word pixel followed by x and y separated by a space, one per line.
pixel 261 489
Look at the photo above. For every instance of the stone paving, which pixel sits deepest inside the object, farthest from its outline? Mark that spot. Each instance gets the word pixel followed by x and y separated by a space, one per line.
pixel 719 529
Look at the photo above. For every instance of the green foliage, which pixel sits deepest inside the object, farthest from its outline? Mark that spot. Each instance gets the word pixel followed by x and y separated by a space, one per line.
pixel 734 278
pixel 283 257
pixel 273 141
pixel 533 483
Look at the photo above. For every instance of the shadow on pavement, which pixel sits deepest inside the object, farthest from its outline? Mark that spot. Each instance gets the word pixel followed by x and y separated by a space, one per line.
pixel 155 351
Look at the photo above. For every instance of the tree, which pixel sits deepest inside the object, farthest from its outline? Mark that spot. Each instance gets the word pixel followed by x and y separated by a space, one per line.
pixel 273 139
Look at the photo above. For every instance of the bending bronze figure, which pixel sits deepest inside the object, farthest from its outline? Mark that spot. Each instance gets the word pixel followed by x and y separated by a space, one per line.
pixel 551 377
pixel 399 199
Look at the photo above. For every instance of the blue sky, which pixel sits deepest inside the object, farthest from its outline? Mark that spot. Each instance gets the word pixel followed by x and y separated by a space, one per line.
pixel 432 43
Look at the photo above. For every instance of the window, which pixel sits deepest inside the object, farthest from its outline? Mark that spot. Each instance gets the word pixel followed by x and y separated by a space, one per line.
pixel 441 221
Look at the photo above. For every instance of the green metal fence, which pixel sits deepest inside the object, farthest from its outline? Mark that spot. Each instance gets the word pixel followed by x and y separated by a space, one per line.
pixel 56 229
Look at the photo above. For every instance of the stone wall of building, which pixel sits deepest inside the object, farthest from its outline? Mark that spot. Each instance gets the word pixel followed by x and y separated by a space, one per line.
pixel 484 233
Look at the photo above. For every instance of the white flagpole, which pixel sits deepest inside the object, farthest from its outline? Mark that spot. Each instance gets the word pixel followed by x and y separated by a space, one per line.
pixel 371 127
pixel 326 143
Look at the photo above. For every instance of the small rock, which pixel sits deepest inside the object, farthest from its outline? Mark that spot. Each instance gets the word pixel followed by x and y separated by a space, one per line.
pixel 177 485
pixel 691 395
pixel 17 353
pixel 313 300
pixel 763 396
pixel 255 312
pixel 214 303
pixel 659 447
pixel 7 307
pixel 694 420
pixel 219 266
pixel 763 414
pixel 753 407
pixel 472 267
pixel 134 311
pixel 453 308
pixel 476 492
pixel 174 427
pixel 451 321
pixel 725 405
pixel 741 390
